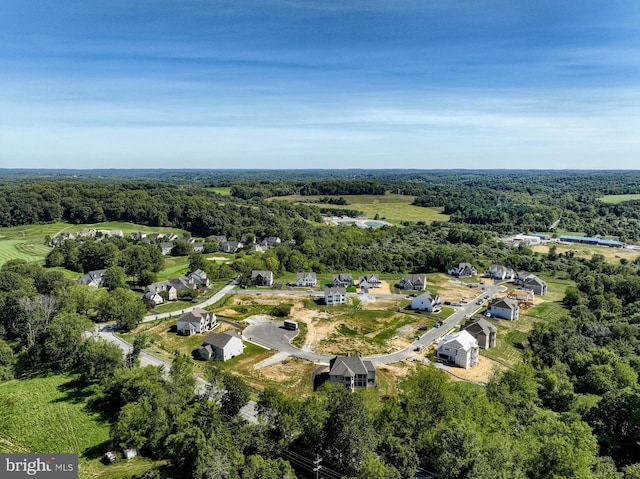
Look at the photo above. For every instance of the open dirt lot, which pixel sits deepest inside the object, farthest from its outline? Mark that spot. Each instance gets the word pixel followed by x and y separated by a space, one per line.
pixel 479 374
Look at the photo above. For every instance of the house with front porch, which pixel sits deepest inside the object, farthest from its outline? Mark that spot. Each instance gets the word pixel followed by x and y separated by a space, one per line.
pixel 415 282
pixel 196 321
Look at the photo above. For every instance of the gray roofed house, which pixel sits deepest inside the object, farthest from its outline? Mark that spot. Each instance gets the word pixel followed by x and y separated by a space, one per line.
pixel 262 278
pixel 505 308
pixel 415 282
pixel 483 331
pixel 498 271
pixel 222 346
pixel 536 285
pixel 166 247
pixel 220 239
pixel 335 295
pixel 427 302
pixel 352 371
pixel 462 270
pixel 93 278
pixel 270 241
pixel 343 279
pixel 306 279
pixel 369 281
pixel 163 288
pixel 195 321
pixel 199 278
pixel 183 284
pixel 198 246
pixel 460 348
pixel 230 246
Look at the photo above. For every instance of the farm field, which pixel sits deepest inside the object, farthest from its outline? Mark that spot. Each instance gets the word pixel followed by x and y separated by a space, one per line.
pixel 48 414
pixel 221 190
pixel 612 255
pixel 615 199
pixel 392 208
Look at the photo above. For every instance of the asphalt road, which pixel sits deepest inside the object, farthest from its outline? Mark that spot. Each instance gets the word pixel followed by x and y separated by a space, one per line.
pixel 273 335
pixel 213 299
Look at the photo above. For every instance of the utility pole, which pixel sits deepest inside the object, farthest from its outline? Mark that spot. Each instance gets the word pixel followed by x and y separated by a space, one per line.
pixel 317 465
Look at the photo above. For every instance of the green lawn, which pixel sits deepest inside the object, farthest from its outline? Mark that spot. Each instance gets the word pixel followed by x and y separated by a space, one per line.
pixel 49 414
pixel 615 199
pixel 221 190
pixel 392 208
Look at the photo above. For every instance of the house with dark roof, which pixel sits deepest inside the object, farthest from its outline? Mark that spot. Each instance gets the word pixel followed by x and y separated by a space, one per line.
pixel 415 282
pixel 505 308
pixel 230 246
pixel 335 295
pixel 166 247
pixel 369 281
pixel 183 284
pixel 427 302
pixel 262 278
pixel 462 270
pixel 222 346
pixel 196 321
pixel 271 241
pixel 306 279
pixel 164 288
pixel 483 331
pixel 352 371
pixel 93 278
pixel 532 282
pixel 199 278
pixel 343 280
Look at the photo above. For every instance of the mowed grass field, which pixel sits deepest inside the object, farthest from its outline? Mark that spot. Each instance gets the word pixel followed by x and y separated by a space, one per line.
pixel 27 242
pixel 392 208
pixel 221 190
pixel 615 199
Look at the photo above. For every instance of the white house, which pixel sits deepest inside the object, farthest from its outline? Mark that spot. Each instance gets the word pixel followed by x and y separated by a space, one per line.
pixel 196 321
pixel 164 289
pixel 498 271
pixel 415 282
pixel 343 279
pixel 352 371
pixel 505 308
pixel 462 270
pixel 306 279
pixel 335 295
pixel 262 278
pixel 427 302
pixel 153 298
pixel 369 281
pixel 460 348
pixel 93 278
pixel 222 346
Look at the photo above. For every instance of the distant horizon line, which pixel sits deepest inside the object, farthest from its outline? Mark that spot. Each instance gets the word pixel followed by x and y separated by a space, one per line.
pixel 8 169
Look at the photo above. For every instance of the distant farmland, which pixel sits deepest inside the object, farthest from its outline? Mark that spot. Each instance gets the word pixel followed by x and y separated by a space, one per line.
pixel 393 208
pixel 615 199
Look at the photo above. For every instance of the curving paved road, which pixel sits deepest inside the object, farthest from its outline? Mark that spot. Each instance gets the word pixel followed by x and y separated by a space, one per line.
pixel 273 335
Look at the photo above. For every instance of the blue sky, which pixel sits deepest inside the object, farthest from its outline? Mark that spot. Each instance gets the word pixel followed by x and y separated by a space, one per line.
pixel 319 84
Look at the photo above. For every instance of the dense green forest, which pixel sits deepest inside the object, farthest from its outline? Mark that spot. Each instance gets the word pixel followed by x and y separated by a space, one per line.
pixel 571 409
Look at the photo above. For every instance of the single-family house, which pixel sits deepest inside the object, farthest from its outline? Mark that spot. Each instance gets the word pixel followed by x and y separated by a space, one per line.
pixel 369 281
pixel 230 246
pixel 352 371
pixel 196 321
pixel 335 295
pixel 198 246
pixel 505 308
pixel 137 235
pixel 262 278
pixel 499 272
pixel 536 285
pixel 415 282
pixel 112 233
pixel 427 302
pixel 156 236
pixel 164 289
pixel 220 239
pixel 271 241
pixel 222 346
pixel 87 233
pixel 199 278
pixel 259 248
pixel 153 298
pixel 462 270
pixel 166 247
pixel 483 331
pixel 93 278
pixel 460 348
pixel 183 283
pixel 63 237
pixel 306 279
pixel 171 236
pixel 343 280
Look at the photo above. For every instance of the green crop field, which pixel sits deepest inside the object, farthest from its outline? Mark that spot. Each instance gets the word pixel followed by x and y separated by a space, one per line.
pixel 392 208
pixel 221 190
pixel 49 414
pixel 615 199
